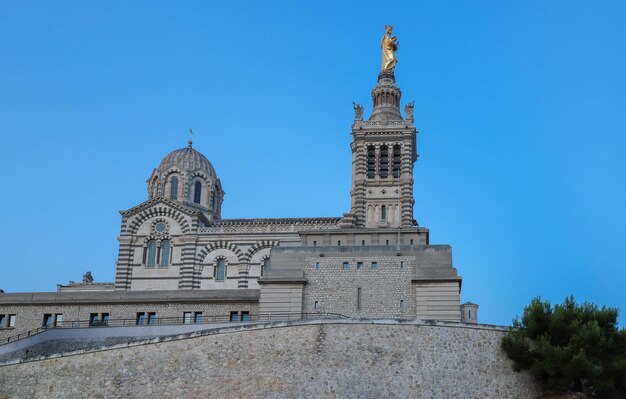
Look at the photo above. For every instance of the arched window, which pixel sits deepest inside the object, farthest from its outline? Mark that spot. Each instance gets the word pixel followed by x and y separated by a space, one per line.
pixel 174 189
pixel 220 270
pixel 152 252
pixel 265 266
pixel 159 190
pixel 383 212
pixel 396 161
pixel 371 163
pixel 197 193
pixel 165 253
pixel 212 199
pixel 384 162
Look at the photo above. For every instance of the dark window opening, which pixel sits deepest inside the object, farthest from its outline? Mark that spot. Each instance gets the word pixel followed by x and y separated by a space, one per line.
pixel 396 161
pixel 174 188
pixel 371 163
pixel 384 162
pixel 197 193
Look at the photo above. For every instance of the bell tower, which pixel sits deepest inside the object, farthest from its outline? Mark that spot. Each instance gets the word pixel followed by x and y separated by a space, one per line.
pixel 383 153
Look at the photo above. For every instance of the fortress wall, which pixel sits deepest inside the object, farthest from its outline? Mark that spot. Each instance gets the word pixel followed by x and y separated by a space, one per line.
pixel 305 360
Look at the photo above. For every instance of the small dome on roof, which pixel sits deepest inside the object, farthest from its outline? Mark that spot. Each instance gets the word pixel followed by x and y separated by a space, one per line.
pixel 185 175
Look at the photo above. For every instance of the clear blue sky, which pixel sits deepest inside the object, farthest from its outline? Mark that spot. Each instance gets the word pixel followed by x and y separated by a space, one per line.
pixel 521 108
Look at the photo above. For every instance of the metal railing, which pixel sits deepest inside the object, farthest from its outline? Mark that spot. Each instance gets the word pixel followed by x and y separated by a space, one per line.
pixel 172 321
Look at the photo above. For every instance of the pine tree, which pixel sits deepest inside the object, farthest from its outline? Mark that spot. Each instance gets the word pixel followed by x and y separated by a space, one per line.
pixel 570 348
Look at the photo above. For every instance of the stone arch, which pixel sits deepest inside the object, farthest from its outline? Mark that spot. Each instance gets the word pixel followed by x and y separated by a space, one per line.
pixel 259 246
pixel 220 245
pixel 156 212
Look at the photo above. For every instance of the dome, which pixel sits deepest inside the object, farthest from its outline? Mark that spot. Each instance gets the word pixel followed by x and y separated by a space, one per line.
pixel 188 160
pixel 187 176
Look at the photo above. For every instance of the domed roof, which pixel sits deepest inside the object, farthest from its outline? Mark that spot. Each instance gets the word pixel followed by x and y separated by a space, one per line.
pixel 187 159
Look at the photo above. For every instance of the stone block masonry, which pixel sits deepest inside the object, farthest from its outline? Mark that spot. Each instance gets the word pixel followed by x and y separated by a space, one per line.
pixel 346 359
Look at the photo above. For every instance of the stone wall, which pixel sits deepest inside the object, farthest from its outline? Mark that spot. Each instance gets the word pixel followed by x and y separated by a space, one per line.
pixel 289 360
pixel 406 282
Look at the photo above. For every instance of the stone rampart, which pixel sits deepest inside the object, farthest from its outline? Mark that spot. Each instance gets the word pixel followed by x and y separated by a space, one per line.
pixel 309 359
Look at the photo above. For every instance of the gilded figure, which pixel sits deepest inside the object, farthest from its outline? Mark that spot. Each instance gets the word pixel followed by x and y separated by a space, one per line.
pixel 389 45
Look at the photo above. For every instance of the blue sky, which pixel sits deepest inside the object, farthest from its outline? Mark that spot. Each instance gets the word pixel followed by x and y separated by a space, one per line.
pixel 521 108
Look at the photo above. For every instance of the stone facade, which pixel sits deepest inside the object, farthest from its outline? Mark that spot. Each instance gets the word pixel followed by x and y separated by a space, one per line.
pixel 31 308
pixel 177 242
pixel 297 360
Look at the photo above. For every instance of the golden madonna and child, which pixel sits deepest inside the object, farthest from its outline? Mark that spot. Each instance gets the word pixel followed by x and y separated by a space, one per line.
pixel 389 46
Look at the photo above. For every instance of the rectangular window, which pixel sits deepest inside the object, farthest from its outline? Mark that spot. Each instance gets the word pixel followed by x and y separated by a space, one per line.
pixel 47 320
pixel 2 320
pixel 198 318
pixel 374 265
pixel 358 298
pixel 152 318
pixel 186 317
pixel 11 320
pixel 234 316
pixel 363 243
pixel 94 319
pixel 411 241
pixel 105 319
pixel 316 305
pixel 317 265
pixel 141 318
pixel 58 319
pixel 359 265
pixel 401 264
pixel 346 266
pixel 386 242
pixel 245 316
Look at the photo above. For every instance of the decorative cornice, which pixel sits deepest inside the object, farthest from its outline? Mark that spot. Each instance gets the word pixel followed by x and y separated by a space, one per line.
pixel 285 221
pixel 179 206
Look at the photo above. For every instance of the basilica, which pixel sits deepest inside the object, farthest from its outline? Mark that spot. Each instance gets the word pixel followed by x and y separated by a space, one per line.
pixel 178 258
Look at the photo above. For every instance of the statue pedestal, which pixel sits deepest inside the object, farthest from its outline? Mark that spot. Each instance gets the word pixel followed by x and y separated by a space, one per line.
pixel 384 75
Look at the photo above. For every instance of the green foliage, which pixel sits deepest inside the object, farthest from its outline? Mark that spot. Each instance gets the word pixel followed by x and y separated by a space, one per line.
pixel 571 347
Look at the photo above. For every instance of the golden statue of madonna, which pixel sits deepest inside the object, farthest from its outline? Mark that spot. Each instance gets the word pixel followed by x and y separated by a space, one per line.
pixel 389 45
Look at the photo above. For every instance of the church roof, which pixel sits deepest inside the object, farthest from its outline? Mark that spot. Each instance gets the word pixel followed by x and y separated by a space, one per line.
pixel 187 159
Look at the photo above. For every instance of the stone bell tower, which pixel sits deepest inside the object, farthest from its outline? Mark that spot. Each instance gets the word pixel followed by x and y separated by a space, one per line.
pixel 383 153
